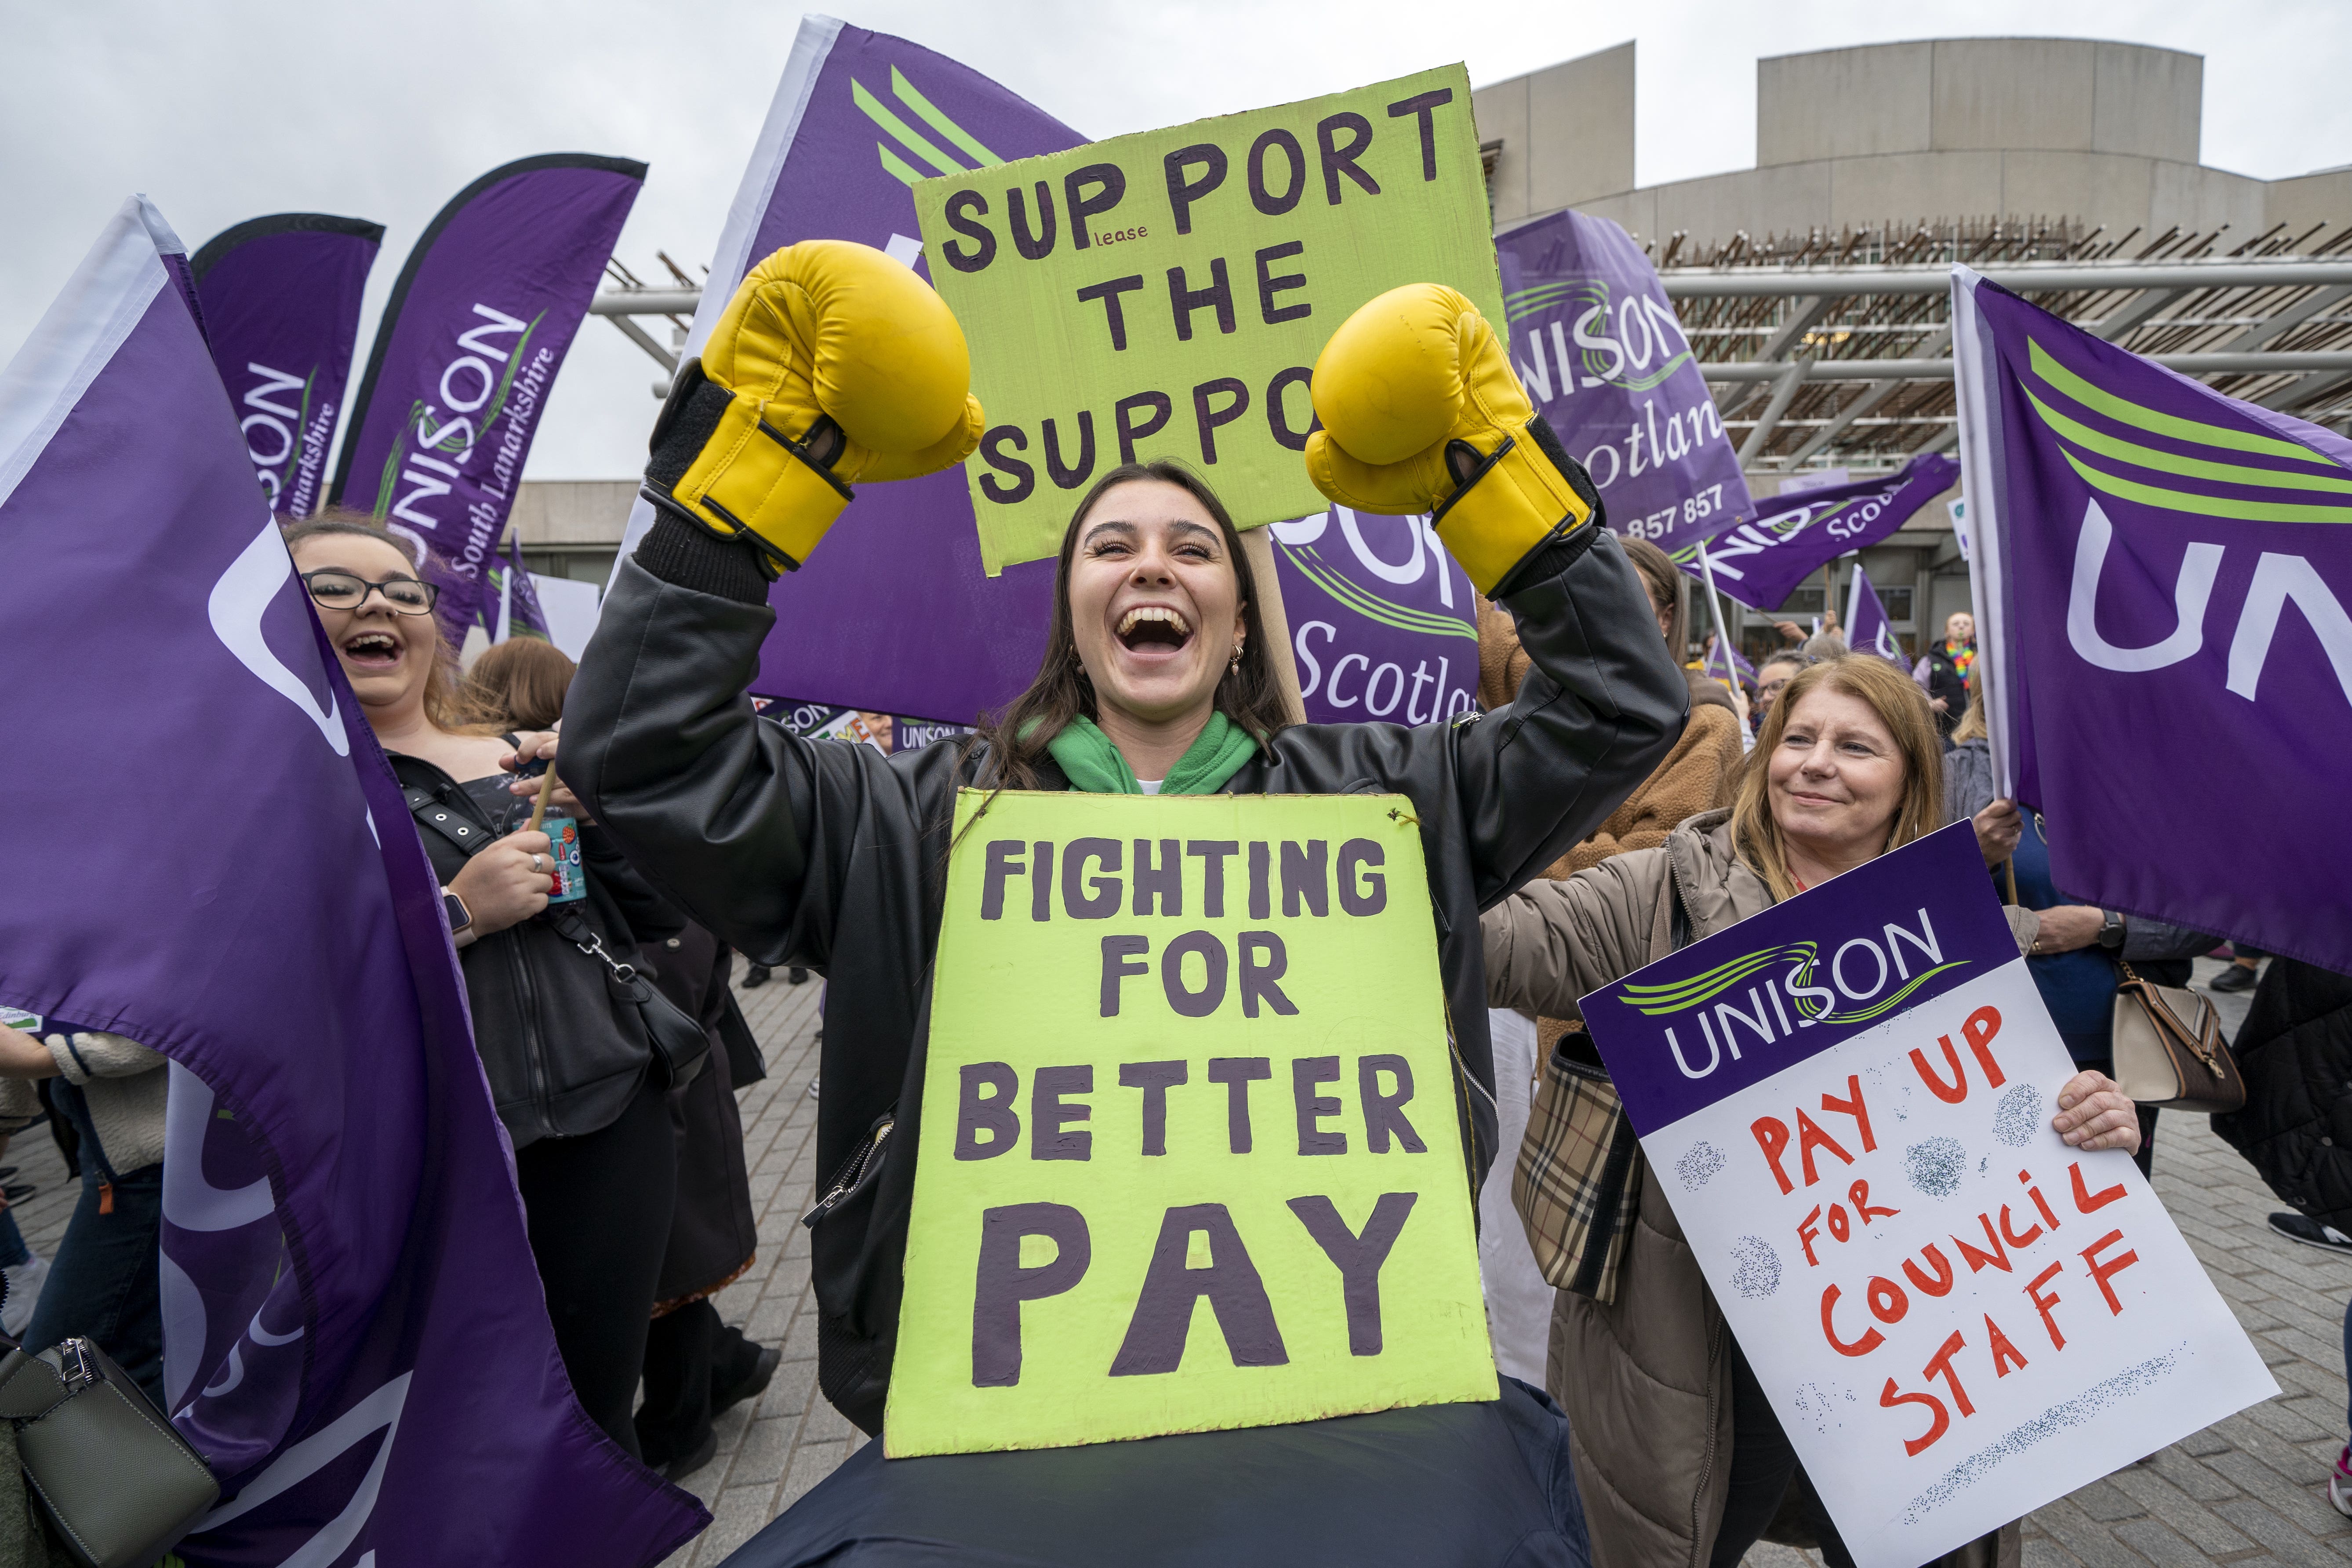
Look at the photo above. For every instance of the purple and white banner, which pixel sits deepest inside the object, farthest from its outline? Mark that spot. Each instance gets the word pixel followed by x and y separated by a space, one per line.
pixel 354 1334
pixel 512 608
pixel 1781 542
pixel 1733 670
pixel 472 339
pixel 2160 572
pixel 1383 624
pixel 281 297
pixel 1956 1317
pixel 895 614
pixel 1599 349
pixel 1866 628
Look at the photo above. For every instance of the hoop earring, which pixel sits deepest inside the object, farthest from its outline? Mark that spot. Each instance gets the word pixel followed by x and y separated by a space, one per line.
pixel 1233 665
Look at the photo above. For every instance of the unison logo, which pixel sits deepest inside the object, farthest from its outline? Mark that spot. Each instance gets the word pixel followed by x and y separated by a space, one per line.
pixel 914 141
pixel 1868 977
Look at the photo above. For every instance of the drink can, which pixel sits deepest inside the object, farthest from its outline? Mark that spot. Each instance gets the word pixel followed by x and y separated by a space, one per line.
pixel 567 882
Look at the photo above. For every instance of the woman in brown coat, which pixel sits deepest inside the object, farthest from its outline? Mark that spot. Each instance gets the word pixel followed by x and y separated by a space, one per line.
pixel 1679 1457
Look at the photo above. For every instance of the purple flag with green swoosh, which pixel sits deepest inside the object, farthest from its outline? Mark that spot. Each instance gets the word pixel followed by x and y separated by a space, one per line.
pixel 1866 626
pixel 281 308
pixel 895 615
pixel 1383 624
pixel 1599 348
pixel 472 339
pixel 2162 577
pixel 1777 543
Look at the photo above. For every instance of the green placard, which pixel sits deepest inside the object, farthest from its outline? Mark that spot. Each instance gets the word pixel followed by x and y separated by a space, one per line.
pixel 1165 294
pixel 1189 1157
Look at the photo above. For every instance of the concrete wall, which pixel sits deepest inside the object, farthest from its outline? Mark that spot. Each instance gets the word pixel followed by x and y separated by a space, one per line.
pixel 1567 132
pixel 550 513
pixel 2099 132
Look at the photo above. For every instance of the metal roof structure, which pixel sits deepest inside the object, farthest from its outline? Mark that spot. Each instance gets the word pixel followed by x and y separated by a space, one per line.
pixel 1835 350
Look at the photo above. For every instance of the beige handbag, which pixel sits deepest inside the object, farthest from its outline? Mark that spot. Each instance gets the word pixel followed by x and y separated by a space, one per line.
pixel 2167 1048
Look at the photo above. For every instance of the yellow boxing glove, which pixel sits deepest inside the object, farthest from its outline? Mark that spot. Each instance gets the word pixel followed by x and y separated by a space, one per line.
pixel 1421 413
pixel 832 364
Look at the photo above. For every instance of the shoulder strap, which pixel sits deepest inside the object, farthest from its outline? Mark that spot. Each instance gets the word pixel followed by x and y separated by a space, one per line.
pixel 436 818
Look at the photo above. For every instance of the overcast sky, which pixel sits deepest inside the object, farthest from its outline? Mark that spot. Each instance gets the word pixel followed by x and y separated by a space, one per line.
pixel 230 109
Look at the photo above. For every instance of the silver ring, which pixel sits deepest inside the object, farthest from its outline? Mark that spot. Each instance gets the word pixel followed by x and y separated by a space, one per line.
pixel 535 865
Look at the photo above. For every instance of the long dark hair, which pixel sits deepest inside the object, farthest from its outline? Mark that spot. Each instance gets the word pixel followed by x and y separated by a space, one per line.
pixel 1249 694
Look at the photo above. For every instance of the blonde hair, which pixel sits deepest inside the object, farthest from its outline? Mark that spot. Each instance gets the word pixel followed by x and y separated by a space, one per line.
pixel 1890 693
pixel 517 684
pixel 442 709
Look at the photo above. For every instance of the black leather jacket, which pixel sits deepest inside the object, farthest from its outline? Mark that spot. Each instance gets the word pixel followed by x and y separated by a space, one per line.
pixel 831 854
pixel 564 1054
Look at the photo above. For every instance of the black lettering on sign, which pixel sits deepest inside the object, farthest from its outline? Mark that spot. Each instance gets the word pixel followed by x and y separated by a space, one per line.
pixel 1001 1284
pixel 1237 1073
pixel 1163 1312
pixel 1109 294
pixel 1115 952
pixel 1264 961
pixel 962 209
pixel 1048 1113
pixel 1339 158
pixel 1110 187
pixel 1035 246
pixel 1262 195
pixel 1129 432
pixel 1102 901
pixel 1362 889
pixel 1041 881
pixel 1070 476
pixel 1025 478
pixel 1261 879
pixel 1004 860
pixel 1270 283
pixel 1210 416
pixel 1155 1079
pixel 991 1114
pixel 1183 300
pixel 1183 191
pixel 1357 1257
pixel 1212 853
pixel 1305 1073
pixel 1276 419
pixel 1424 105
pixel 1384 1114
pixel 1306 878
pixel 1167 881
pixel 1187 1003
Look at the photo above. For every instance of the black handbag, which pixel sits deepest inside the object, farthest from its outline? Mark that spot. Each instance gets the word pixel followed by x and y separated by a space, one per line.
pixel 115 1481
pixel 679 1044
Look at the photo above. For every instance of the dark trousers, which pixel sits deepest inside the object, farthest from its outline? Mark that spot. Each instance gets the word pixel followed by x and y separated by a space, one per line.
pixel 1763 1466
pixel 691 1360
pixel 103 1284
pixel 599 1208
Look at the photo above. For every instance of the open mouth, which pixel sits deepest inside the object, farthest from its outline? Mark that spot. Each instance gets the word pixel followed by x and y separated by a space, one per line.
pixel 1154 627
pixel 372 650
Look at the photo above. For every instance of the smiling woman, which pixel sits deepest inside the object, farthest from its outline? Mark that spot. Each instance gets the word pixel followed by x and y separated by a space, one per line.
pixel 1847 767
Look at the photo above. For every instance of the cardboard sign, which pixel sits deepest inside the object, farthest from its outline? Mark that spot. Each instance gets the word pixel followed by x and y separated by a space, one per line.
pixel 1165 294
pixel 1187 1154
pixel 1957 1317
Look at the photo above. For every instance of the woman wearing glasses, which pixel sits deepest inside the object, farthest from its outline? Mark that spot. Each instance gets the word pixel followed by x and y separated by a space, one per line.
pixel 567 1062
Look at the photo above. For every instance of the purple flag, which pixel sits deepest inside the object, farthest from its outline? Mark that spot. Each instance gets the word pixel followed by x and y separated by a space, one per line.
pixel 1733 670
pixel 472 338
pixel 1781 542
pixel 1866 630
pixel 281 308
pixel 355 1337
pixel 1383 624
pixel 895 614
pixel 2161 578
pixel 1599 349
pixel 512 606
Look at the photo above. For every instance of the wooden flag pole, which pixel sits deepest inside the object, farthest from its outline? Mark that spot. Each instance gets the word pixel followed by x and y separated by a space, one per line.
pixel 1257 543
pixel 539 806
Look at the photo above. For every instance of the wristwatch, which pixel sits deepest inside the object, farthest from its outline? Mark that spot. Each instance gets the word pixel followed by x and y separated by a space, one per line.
pixel 460 917
pixel 2111 930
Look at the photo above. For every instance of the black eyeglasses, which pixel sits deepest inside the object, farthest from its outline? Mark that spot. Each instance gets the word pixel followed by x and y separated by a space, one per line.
pixel 339 589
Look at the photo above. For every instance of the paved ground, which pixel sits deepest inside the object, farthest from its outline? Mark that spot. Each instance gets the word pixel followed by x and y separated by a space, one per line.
pixel 2248 1490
